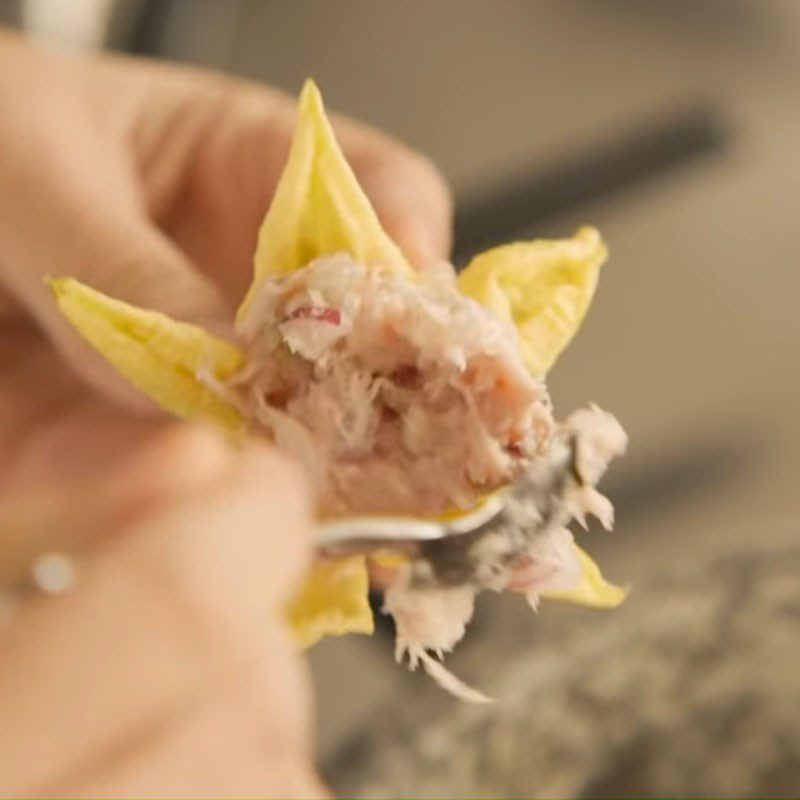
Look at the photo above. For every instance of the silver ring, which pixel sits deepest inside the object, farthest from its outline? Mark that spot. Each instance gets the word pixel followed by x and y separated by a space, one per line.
pixel 49 574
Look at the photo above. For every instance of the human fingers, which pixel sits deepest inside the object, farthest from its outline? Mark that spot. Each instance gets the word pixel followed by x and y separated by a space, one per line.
pixel 171 618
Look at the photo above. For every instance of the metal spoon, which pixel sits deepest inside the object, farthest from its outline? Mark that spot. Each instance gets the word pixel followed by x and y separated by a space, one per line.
pixel 478 547
pixel 366 534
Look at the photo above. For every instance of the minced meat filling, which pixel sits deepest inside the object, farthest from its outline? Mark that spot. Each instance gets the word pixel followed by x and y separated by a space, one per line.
pixel 398 396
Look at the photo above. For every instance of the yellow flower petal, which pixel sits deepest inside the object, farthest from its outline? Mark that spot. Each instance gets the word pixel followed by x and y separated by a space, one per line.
pixel 157 355
pixel 543 287
pixel 318 208
pixel 332 601
pixel 594 590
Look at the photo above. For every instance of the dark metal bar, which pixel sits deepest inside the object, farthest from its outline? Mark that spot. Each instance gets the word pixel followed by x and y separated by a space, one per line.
pixel 518 207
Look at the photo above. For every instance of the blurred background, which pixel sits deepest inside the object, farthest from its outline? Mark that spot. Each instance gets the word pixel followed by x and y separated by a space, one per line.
pixel 674 127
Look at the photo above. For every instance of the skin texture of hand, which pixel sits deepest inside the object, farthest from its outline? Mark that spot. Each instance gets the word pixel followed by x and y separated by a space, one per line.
pixel 166 670
pixel 149 183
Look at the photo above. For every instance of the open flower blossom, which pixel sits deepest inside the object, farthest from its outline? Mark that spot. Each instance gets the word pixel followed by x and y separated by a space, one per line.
pixel 400 391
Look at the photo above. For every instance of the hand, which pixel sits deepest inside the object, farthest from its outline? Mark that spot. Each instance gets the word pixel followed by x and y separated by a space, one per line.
pixel 166 670
pixel 147 182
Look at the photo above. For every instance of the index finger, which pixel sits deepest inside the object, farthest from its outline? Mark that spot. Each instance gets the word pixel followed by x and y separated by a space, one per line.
pixel 410 195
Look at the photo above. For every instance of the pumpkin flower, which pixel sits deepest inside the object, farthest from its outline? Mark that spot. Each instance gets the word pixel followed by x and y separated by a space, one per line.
pixel 335 342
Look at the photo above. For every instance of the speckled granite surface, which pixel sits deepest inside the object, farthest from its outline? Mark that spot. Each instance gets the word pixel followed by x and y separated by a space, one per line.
pixel 692 689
